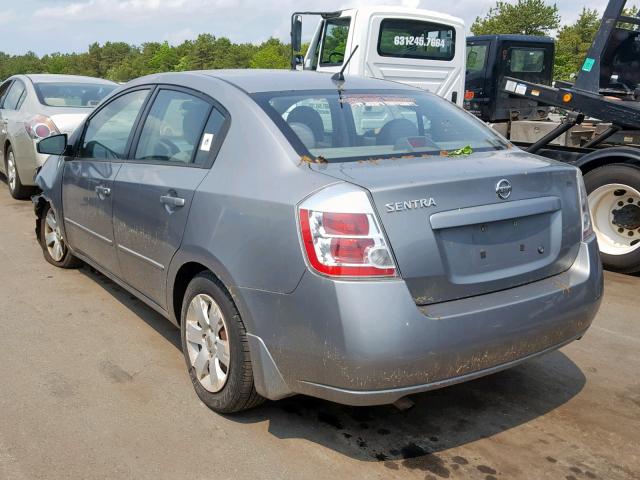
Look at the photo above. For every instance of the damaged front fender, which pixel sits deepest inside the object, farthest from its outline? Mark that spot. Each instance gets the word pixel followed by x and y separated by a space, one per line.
pixel 49 180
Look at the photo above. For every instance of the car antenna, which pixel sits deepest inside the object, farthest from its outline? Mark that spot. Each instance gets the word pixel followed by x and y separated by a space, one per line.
pixel 339 76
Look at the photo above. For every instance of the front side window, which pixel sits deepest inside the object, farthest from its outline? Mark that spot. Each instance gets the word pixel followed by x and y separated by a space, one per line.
pixel 476 57
pixel 375 124
pixel 72 94
pixel 526 60
pixel 108 132
pixel 173 128
pixel 15 96
pixel 334 45
pixel 416 39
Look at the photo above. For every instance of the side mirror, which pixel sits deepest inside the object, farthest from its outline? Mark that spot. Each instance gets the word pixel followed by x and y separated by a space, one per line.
pixel 296 33
pixel 53 145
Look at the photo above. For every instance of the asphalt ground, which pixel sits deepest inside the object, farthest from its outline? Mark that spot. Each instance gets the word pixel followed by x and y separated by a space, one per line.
pixel 93 386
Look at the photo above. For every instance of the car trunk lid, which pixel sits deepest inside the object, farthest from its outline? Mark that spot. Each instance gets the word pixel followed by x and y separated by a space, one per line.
pixel 451 234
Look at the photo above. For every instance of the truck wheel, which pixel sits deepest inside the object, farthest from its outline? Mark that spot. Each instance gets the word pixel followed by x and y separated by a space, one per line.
pixel 614 201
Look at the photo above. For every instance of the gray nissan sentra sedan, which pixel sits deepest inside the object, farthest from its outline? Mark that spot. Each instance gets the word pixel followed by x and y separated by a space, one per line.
pixel 358 241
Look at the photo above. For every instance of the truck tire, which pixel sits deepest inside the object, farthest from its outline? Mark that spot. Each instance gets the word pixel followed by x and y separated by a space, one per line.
pixel 614 201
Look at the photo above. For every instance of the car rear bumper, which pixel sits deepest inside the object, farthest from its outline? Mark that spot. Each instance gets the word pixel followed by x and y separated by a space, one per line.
pixel 365 343
pixel 28 160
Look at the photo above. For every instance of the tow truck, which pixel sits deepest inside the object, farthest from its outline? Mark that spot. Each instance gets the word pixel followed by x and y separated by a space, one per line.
pixel 600 132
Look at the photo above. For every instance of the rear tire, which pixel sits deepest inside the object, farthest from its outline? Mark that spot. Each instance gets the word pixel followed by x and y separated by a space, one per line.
pixel 16 189
pixel 54 247
pixel 215 347
pixel 614 201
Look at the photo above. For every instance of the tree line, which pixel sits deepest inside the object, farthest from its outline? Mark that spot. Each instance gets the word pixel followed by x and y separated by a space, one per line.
pixel 120 61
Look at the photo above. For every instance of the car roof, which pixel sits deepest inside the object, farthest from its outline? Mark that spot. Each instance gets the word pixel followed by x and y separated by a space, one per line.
pixel 54 78
pixel 256 81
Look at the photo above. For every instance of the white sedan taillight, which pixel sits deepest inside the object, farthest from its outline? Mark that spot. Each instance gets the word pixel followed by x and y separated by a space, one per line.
pixel 39 127
pixel 341 235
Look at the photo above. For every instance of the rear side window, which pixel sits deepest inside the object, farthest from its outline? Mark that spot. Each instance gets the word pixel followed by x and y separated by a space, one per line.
pixel 476 57
pixel 334 45
pixel 72 94
pixel 526 60
pixel 15 96
pixel 108 132
pixel 415 39
pixel 174 128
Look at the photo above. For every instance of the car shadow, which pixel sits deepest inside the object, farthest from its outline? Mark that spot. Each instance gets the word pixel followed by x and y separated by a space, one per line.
pixel 152 318
pixel 411 439
pixel 439 420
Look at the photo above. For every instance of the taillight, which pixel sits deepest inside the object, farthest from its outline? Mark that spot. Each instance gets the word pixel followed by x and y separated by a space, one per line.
pixel 341 235
pixel 585 214
pixel 40 127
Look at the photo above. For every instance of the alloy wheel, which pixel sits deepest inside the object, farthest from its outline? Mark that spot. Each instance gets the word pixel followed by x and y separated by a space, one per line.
pixel 12 174
pixel 53 237
pixel 208 342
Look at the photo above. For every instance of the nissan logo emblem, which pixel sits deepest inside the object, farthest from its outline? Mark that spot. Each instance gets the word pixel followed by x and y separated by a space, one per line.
pixel 503 189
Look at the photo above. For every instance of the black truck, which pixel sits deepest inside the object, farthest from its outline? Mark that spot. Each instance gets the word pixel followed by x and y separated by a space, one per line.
pixel 510 85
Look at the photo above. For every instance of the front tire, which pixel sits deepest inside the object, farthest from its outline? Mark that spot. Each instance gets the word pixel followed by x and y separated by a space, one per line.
pixel 215 347
pixel 54 247
pixel 614 201
pixel 16 189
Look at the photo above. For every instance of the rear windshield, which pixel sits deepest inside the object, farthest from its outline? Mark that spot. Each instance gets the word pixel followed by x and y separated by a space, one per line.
pixel 415 39
pixel 72 94
pixel 355 125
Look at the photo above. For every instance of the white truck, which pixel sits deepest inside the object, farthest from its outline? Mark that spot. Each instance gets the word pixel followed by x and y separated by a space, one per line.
pixel 418 47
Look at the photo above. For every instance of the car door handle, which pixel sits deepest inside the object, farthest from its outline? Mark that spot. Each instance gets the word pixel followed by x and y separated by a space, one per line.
pixel 103 191
pixel 172 201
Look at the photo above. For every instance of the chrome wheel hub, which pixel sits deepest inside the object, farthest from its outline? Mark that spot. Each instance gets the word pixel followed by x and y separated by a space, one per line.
pixel 207 342
pixel 615 210
pixel 53 237
pixel 11 171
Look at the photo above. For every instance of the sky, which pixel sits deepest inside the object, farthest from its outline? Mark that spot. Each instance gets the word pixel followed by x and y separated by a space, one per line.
pixel 47 26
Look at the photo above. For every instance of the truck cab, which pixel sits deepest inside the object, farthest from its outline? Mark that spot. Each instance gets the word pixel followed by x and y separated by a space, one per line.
pixel 417 47
pixel 490 58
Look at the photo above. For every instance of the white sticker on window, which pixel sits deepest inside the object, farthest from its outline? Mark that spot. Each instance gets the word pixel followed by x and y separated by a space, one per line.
pixel 207 140
pixel 521 89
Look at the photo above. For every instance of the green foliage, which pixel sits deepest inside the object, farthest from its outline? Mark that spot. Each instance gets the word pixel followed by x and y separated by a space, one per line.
pixel 524 17
pixel 573 43
pixel 271 54
pixel 121 62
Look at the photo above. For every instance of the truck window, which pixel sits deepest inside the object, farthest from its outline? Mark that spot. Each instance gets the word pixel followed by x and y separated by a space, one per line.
pixel 476 57
pixel 416 39
pixel 526 60
pixel 334 45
